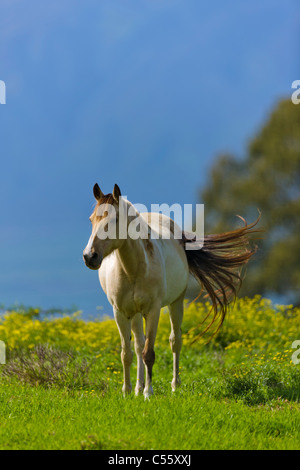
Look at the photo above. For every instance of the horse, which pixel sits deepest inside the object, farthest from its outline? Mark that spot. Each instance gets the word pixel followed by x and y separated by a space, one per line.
pixel 141 275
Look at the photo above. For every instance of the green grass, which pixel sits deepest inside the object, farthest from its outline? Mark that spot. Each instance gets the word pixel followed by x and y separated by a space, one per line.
pixel 211 410
pixel 52 419
pixel 58 397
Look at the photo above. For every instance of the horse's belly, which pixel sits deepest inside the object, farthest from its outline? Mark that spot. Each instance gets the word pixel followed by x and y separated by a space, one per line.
pixel 176 271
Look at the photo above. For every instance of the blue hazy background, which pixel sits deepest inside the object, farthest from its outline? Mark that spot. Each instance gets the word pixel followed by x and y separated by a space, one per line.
pixel 140 93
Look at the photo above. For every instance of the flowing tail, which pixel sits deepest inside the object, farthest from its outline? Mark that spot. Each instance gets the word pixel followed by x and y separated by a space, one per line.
pixel 217 267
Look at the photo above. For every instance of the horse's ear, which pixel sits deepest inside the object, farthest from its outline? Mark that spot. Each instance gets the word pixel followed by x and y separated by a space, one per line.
pixel 97 192
pixel 116 193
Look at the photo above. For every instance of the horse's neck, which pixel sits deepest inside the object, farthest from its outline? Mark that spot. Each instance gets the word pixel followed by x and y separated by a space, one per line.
pixel 132 255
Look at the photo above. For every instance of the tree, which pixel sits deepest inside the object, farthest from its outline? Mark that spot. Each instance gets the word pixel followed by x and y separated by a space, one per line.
pixel 268 179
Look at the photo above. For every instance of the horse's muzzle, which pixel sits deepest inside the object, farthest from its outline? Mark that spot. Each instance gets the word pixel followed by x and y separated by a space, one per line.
pixel 92 260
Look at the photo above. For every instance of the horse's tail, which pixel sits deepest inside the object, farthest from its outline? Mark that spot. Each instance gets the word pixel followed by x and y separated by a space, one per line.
pixel 217 266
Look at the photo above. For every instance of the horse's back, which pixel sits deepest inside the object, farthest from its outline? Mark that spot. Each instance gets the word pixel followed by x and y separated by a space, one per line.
pixel 162 226
pixel 166 235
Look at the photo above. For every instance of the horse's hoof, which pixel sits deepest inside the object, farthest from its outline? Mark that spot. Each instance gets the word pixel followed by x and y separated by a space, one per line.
pixel 175 384
pixel 138 390
pixel 126 391
pixel 148 393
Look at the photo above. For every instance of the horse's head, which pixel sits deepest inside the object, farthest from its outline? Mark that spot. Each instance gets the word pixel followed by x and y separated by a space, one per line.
pixel 105 227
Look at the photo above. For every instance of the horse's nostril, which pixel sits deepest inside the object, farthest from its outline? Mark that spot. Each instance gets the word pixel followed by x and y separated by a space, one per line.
pixel 91 259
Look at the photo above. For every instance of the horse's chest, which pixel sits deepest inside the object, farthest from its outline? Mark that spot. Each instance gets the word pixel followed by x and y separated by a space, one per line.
pixel 129 297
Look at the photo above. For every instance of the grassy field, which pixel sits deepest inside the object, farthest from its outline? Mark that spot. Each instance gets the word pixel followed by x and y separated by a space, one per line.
pixel 61 385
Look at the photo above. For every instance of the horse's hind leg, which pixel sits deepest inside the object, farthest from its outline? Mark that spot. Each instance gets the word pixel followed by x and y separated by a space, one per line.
pixel 139 344
pixel 176 315
pixel 124 326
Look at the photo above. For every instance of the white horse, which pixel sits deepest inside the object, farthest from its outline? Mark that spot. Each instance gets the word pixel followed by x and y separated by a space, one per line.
pixel 140 275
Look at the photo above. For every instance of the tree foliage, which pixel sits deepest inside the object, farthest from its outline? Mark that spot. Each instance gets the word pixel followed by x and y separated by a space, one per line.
pixel 268 179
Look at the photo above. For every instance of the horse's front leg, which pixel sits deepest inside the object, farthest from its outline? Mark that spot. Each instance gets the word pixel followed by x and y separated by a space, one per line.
pixel 139 343
pixel 151 320
pixel 124 326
